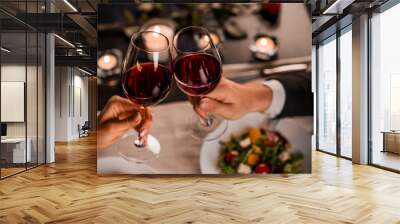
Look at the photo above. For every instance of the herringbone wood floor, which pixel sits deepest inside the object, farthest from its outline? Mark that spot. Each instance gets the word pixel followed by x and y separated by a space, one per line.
pixel 70 191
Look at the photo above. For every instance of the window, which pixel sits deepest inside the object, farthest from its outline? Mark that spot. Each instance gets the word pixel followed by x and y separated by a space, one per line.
pixel 385 89
pixel 333 106
pixel 327 96
pixel 346 92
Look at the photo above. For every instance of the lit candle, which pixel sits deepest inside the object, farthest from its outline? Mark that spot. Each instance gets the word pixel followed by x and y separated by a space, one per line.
pixel 156 42
pixel 107 61
pixel 265 45
pixel 163 29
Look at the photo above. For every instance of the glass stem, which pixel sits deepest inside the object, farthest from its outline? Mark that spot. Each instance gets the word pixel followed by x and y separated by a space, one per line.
pixel 209 119
pixel 140 142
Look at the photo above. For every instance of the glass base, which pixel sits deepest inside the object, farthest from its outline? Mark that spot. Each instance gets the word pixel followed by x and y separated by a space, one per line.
pixel 207 129
pixel 128 150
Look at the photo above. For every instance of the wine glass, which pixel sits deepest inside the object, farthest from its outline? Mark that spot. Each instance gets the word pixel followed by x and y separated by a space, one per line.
pixel 146 80
pixel 197 71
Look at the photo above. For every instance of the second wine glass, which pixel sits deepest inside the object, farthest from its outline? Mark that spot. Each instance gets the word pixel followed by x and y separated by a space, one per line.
pixel 197 70
pixel 146 81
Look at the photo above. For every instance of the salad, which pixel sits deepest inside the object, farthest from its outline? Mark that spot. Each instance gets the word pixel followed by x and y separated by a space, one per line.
pixel 258 151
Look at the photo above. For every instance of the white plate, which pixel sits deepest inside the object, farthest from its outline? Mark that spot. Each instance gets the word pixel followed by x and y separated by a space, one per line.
pixel 297 130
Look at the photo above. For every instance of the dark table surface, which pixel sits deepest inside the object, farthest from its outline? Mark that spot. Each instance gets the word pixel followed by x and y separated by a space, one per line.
pixel 293 33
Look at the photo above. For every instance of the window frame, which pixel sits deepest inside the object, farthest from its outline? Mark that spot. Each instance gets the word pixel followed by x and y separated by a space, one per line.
pixel 347 27
pixel 378 10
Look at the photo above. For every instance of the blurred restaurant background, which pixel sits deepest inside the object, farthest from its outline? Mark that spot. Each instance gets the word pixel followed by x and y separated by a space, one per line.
pixel 234 28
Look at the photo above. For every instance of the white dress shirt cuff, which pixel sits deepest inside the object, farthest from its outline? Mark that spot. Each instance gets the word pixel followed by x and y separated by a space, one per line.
pixel 278 98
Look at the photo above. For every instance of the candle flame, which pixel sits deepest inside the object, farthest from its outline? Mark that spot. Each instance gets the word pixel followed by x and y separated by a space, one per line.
pixel 106 59
pixel 263 41
pixel 156 29
pixel 206 38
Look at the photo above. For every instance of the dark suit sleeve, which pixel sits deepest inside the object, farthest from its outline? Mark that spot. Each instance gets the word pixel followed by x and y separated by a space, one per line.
pixel 299 98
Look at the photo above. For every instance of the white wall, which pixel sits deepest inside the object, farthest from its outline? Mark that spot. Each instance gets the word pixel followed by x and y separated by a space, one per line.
pixel 12 73
pixel 70 83
pixel 61 114
pixel 33 126
pixel 80 109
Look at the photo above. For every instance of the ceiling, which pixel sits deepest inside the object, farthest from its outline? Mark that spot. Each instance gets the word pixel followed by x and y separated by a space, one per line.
pixel 76 22
pixel 72 20
pixel 329 16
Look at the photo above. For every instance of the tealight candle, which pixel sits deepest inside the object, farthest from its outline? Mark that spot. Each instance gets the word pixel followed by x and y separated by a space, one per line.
pixel 156 42
pixel 107 61
pixel 265 45
pixel 155 39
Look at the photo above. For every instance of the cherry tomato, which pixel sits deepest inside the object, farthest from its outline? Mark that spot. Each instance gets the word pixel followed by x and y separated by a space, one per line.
pixel 262 168
pixel 231 155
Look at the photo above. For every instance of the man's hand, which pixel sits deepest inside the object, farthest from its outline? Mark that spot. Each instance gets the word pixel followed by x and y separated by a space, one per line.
pixel 231 100
pixel 118 116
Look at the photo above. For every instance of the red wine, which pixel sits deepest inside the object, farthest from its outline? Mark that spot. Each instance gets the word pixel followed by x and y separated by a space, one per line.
pixel 147 84
pixel 197 74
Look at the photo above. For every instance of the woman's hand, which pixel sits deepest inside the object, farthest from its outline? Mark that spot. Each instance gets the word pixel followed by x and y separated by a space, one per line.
pixel 118 116
pixel 231 100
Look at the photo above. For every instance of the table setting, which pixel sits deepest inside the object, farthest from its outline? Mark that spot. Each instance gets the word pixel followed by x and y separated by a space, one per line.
pixel 182 154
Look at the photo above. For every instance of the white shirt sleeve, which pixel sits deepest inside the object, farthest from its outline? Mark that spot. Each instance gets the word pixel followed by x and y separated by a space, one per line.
pixel 278 98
